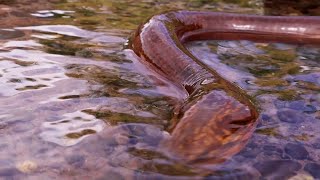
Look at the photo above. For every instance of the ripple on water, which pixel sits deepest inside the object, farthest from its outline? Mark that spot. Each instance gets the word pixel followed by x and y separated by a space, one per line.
pixel 71 129
pixel 74 31
pixel 10 34
pixel 17 67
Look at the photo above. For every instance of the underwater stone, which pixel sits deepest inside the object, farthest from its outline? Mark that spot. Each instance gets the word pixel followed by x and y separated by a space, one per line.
pixel 272 149
pixel 280 104
pixel 112 175
pixel 313 169
pixel 235 174
pixel 296 151
pixel 265 117
pixel 297 105
pixel 27 166
pixel 284 156
pixel 277 169
pixel 312 78
pixel 316 145
pixel 250 153
pixel 310 109
pixel 301 106
pixel 8 172
pixel 290 116
pixel 75 160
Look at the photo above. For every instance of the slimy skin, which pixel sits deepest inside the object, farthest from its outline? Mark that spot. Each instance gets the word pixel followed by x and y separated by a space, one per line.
pixel 218 117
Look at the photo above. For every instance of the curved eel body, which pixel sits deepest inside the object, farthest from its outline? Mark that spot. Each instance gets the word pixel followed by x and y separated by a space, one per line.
pixel 218 117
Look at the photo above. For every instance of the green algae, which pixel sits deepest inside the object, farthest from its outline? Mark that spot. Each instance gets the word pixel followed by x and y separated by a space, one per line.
pixel 169 169
pixel 115 118
pixel 31 87
pixel 146 154
pixel 76 135
pixel 269 132
pixel 114 14
pixel 65 47
pixel 284 95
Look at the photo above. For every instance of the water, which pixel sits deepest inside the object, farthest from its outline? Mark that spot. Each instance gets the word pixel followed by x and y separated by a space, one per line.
pixel 75 104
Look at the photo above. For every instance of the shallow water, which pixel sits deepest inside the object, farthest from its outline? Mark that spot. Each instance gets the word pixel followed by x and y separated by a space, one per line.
pixel 76 104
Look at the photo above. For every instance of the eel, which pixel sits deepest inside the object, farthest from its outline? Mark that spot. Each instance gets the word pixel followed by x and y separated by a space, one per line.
pixel 217 118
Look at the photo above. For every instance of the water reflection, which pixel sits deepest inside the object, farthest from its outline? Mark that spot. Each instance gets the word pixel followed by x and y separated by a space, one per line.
pixel 70 130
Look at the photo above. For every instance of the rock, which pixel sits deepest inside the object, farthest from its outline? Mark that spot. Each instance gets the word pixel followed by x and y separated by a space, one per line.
pixel 309 109
pixel 296 151
pixel 121 139
pixel 8 172
pixel 234 174
pixel 302 177
pixel 27 166
pixel 290 116
pixel 316 145
pixel 22 127
pixel 250 153
pixel 277 169
pixel 313 169
pixel 312 78
pixel 280 104
pixel 269 150
pixel 299 105
pixel 112 175
pixel 272 149
pixel 284 156
pixel 75 160
pixel 265 117
pixel 296 105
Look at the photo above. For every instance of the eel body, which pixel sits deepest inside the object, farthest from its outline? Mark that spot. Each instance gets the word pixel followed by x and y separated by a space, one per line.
pixel 218 117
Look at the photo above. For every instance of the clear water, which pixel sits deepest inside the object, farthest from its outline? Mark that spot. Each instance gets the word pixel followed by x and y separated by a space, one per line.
pixel 75 104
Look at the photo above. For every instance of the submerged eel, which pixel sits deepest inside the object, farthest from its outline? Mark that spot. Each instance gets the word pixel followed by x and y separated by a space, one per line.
pixel 217 118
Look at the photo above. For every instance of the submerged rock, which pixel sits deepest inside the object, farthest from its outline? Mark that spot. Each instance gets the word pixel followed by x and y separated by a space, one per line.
pixel 296 151
pixel 277 169
pixel 76 160
pixel 290 116
pixel 313 169
pixel 27 166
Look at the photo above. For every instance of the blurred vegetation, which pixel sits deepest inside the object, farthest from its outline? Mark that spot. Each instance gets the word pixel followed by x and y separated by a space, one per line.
pixel 127 14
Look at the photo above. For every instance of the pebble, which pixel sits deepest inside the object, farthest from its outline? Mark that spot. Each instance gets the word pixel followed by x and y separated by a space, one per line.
pixel 302 177
pixel 313 169
pixel 316 145
pixel 296 105
pixel 290 116
pixel 265 117
pixel 236 174
pixel 112 175
pixel 312 78
pixel 284 156
pixel 22 127
pixel 272 148
pixel 27 166
pixel 250 153
pixel 296 151
pixel 309 109
pixel 8 172
pixel 277 169
pixel 75 160
pixel 121 139
pixel 280 104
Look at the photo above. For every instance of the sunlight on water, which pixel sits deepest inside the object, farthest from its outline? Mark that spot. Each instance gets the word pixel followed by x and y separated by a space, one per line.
pixel 71 129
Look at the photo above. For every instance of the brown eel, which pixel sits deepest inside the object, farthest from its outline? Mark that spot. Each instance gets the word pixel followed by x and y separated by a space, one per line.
pixel 217 119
